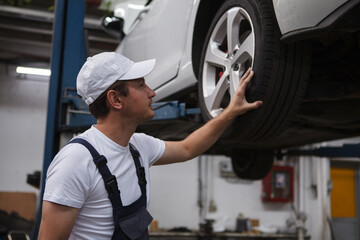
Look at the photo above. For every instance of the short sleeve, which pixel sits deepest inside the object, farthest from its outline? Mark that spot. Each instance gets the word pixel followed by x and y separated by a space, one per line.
pixel 68 181
pixel 149 147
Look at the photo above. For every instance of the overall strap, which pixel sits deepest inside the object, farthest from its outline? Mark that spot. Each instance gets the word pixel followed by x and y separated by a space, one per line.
pixel 100 162
pixel 140 170
pixel 110 181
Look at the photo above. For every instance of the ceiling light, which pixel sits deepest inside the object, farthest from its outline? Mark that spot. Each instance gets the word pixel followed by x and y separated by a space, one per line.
pixel 33 71
pixel 136 6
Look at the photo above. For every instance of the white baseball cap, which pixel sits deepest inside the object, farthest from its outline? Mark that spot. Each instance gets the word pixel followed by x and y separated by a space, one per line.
pixel 100 71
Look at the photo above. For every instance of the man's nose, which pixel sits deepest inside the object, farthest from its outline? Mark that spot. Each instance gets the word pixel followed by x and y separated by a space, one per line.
pixel 151 92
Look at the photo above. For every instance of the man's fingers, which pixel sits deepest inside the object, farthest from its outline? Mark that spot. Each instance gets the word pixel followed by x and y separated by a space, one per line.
pixel 240 99
pixel 257 104
pixel 245 79
pixel 246 74
pixel 254 105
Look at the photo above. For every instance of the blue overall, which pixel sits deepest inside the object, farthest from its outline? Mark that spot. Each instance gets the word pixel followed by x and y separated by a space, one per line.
pixel 132 221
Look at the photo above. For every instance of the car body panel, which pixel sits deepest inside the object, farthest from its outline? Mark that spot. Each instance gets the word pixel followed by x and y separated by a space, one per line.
pixel 148 40
pixel 185 77
pixel 147 36
pixel 131 11
pixel 295 15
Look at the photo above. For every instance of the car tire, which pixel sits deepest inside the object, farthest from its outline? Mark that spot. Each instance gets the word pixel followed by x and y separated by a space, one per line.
pixel 281 71
pixel 252 164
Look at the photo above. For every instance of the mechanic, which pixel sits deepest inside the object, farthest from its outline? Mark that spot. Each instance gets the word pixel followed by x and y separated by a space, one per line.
pixel 76 204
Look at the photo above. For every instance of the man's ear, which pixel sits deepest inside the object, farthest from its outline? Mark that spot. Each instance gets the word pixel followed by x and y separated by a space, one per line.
pixel 114 99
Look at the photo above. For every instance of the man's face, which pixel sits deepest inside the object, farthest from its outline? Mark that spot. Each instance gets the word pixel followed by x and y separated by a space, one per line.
pixel 137 103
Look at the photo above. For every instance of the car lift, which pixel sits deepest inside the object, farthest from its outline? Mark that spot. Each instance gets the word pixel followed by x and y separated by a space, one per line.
pixel 67 112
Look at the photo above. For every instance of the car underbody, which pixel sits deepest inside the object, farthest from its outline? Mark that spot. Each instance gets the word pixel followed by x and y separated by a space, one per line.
pixel 329 110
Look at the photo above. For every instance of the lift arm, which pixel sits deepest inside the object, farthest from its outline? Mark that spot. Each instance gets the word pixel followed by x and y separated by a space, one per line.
pixel 75 114
pixel 346 150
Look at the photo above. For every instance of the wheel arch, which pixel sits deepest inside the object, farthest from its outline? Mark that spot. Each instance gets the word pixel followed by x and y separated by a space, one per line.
pixel 205 13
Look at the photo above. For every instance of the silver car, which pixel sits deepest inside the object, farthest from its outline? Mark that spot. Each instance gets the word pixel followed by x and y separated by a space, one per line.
pixel 305 55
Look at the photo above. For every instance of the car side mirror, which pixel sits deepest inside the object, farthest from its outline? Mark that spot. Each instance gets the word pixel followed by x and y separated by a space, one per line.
pixel 113 26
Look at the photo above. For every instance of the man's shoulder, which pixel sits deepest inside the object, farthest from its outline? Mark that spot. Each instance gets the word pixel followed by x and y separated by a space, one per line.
pixel 144 141
pixel 142 137
pixel 139 135
pixel 73 151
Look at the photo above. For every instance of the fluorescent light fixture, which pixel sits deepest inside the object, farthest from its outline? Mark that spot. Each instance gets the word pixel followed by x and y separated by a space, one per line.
pixel 33 71
pixel 136 6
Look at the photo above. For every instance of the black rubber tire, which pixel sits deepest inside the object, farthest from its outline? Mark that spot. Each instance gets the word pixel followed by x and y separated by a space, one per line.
pixel 280 80
pixel 252 164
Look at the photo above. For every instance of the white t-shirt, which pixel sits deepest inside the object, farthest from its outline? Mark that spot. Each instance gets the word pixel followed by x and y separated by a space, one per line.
pixel 73 180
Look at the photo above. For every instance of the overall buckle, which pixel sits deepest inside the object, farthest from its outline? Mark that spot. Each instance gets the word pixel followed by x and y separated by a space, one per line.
pixel 100 161
pixel 140 171
pixel 111 185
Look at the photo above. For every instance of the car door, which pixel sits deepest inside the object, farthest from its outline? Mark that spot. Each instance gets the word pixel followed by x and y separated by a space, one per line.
pixel 160 33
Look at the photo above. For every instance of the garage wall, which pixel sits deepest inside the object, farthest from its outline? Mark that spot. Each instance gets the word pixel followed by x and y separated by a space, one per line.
pixel 174 190
pixel 314 196
pixel 175 197
pixel 23 104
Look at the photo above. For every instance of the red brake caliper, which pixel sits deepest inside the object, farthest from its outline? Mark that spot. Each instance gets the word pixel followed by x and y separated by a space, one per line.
pixel 222 72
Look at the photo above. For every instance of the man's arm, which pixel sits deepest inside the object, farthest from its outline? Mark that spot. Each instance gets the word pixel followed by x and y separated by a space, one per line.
pixel 203 138
pixel 57 221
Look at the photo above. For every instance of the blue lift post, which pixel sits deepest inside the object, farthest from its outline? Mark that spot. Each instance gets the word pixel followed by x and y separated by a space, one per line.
pixel 68 55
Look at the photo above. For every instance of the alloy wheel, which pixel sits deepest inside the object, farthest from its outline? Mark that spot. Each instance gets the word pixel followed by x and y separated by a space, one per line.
pixel 229 53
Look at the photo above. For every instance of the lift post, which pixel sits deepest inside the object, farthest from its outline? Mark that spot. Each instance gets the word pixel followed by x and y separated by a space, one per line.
pixel 68 55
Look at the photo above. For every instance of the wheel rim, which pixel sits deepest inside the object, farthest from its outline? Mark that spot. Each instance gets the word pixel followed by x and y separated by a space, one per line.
pixel 229 53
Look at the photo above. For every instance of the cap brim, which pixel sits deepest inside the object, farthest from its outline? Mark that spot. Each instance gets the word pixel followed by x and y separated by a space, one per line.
pixel 139 70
